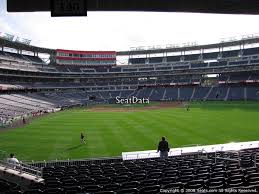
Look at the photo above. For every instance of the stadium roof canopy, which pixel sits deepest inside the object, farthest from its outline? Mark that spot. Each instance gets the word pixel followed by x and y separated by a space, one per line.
pixel 201 6
pixel 248 40
pixel 230 43
pixel 21 46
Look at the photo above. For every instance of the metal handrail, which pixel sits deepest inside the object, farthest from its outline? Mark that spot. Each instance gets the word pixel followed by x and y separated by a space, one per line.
pixel 203 151
pixel 229 159
pixel 57 162
pixel 23 168
pixel 255 157
pixel 191 145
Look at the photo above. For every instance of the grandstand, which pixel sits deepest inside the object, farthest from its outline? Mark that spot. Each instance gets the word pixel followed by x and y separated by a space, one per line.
pixel 179 75
pixel 226 71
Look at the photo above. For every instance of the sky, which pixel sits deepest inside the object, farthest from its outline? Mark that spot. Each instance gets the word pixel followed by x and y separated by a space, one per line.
pixel 119 31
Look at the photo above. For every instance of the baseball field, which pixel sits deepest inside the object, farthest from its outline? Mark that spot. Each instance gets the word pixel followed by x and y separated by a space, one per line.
pixel 113 129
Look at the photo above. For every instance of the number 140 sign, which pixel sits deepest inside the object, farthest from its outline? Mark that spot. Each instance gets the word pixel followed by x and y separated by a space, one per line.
pixel 61 8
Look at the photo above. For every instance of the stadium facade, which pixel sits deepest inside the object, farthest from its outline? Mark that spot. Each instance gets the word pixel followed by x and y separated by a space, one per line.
pixel 160 74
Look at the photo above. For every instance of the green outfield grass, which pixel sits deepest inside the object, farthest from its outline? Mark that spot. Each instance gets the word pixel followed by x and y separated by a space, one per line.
pixel 57 135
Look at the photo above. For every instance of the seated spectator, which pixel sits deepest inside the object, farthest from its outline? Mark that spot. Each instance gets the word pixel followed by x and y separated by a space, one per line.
pixel 13 161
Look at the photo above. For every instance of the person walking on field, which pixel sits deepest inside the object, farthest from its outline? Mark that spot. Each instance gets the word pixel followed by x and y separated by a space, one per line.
pixel 163 147
pixel 82 137
pixel 23 120
pixel 188 107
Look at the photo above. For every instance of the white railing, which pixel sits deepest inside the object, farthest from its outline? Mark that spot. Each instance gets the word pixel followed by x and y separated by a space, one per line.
pixel 68 162
pixel 189 150
pixel 22 168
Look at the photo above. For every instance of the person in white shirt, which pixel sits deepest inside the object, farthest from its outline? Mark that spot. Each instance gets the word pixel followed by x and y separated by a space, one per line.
pixel 13 161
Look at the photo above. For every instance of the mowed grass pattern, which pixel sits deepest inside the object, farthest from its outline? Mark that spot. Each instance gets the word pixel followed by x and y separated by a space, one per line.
pixel 57 135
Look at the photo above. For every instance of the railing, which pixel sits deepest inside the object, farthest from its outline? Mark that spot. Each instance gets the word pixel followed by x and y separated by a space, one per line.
pixel 23 168
pixel 255 159
pixel 68 162
pixel 228 159
pixel 238 159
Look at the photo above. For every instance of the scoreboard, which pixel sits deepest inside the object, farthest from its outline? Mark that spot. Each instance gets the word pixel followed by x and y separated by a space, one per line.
pixel 85 58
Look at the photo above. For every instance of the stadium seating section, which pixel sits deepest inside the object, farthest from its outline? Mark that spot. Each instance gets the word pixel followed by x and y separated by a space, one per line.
pixel 18 104
pixel 245 57
pixel 187 172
